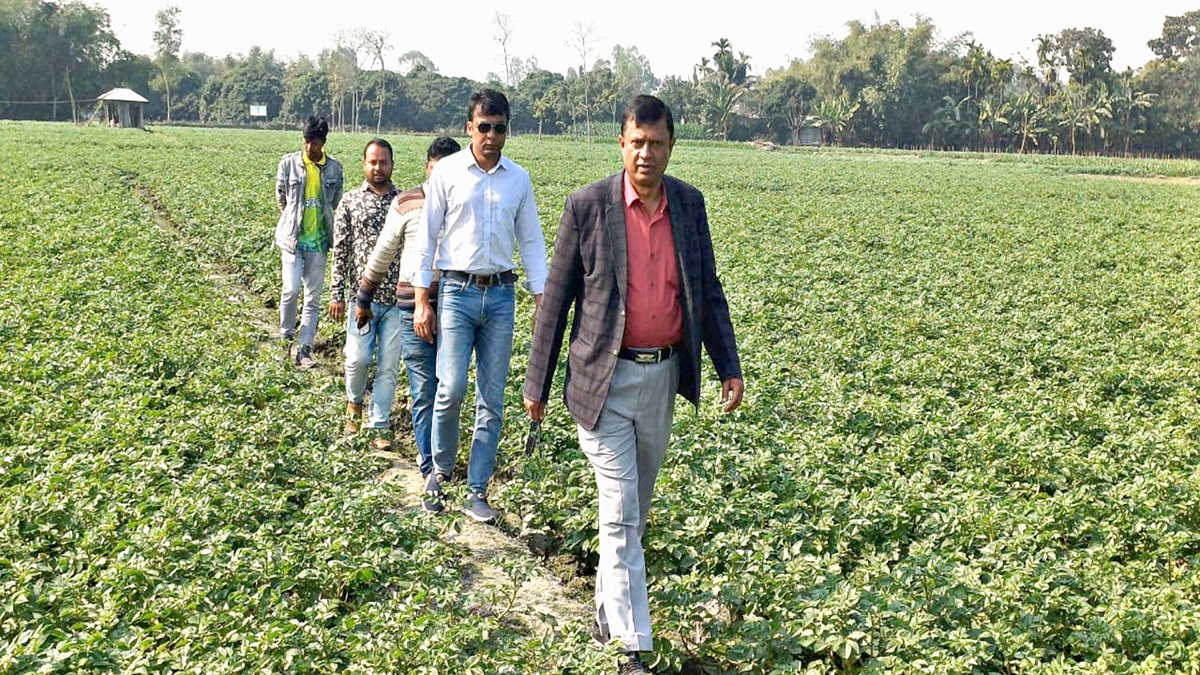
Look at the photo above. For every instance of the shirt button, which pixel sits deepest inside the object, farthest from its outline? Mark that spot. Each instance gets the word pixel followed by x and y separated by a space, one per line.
pixel 616 352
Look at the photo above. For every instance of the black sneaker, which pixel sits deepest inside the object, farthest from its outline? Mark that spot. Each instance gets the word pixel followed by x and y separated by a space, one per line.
pixel 600 633
pixel 478 508
pixel 434 499
pixel 304 357
pixel 632 665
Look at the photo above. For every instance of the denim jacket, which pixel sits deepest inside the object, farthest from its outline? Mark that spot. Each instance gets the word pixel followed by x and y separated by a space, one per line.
pixel 289 194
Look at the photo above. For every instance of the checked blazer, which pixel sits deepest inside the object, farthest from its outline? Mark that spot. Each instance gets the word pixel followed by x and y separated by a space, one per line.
pixel 589 272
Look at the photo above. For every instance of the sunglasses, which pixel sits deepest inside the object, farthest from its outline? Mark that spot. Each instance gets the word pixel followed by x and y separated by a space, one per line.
pixel 485 127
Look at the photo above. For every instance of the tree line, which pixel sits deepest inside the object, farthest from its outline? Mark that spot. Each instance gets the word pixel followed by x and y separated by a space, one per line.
pixel 881 85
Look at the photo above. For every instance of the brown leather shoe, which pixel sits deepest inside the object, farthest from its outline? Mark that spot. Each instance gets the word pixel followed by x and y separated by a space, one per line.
pixel 381 444
pixel 353 419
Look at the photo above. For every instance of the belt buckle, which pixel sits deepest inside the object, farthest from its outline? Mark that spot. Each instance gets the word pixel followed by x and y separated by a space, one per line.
pixel 645 357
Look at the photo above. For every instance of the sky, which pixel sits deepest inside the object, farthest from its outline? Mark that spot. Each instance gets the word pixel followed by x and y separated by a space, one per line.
pixel 459 38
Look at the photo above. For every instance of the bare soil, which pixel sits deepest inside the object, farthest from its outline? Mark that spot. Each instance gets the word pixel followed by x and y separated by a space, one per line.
pixel 1170 180
pixel 486 548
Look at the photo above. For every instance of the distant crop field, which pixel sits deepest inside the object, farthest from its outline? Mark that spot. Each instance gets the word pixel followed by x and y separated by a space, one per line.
pixel 971 439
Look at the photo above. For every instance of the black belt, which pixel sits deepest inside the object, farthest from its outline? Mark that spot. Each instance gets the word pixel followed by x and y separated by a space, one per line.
pixel 647 355
pixel 506 278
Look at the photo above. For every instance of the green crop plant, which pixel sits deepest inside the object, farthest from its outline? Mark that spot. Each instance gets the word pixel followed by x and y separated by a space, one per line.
pixel 970 441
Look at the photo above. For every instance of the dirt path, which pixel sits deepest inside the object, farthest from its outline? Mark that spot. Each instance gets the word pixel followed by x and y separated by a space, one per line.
pixel 489 549
pixel 221 275
pixel 495 562
pixel 1173 180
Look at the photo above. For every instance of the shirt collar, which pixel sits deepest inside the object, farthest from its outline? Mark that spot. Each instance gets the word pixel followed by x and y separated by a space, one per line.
pixel 502 164
pixel 631 196
pixel 392 189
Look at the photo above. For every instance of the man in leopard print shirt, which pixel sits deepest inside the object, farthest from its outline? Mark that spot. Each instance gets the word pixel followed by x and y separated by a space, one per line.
pixel 397 242
pixel 357 224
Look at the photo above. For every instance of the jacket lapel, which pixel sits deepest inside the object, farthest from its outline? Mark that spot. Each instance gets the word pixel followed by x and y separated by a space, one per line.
pixel 681 231
pixel 614 218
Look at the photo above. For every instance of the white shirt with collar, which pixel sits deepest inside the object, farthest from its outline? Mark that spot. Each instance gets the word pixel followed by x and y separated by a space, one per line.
pixel 474 219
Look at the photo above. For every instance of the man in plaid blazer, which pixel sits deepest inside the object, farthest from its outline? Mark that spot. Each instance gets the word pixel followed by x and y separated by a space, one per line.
pixel 634 257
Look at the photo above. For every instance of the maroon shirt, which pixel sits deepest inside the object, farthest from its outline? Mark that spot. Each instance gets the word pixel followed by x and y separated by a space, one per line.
pixel 654 314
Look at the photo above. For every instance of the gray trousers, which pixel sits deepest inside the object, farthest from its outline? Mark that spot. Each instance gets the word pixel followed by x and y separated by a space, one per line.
pixel 626 450
pixel 307 267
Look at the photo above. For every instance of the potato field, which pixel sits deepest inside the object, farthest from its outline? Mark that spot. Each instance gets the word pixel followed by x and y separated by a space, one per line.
pixel 970 443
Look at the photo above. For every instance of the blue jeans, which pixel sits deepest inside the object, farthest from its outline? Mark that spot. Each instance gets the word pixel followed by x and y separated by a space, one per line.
pixel 420 359
pixel 383 337
pixel 480 320
pixel 307 267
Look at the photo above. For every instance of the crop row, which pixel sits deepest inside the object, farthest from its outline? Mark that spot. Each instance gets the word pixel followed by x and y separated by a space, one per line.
pixel 970 442
pixel 172 499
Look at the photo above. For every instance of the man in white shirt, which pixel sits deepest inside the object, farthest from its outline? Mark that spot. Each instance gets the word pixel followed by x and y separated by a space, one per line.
pixel 481 205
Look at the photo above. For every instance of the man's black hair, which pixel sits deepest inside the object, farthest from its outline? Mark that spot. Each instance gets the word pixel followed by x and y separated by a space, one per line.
pixel 316 128
pixel 647 109
pixel 381 143
pixel 442 146
pixel 488 102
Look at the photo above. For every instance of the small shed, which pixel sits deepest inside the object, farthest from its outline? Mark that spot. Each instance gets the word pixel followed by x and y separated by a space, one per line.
pixel 812 133
pixel 812 136
pixel 123 108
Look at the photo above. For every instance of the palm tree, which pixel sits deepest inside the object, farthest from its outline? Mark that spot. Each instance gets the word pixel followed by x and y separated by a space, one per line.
pixel 735 69
pixel 1002 75
pixel 720 98
pixel 721 84
pixel 978 68
pixel 722 60
pixel 1048 61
